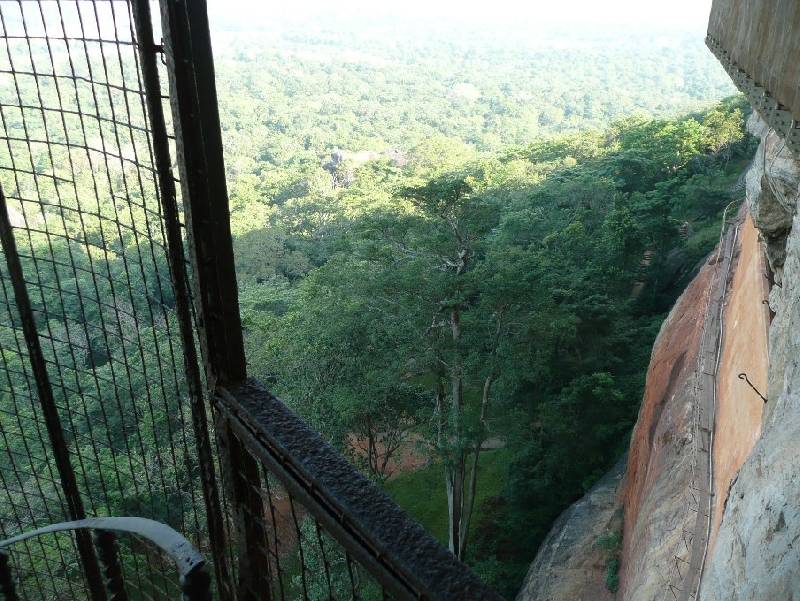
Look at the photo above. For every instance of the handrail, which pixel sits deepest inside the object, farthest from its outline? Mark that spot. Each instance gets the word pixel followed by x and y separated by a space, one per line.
pixel 194 582
pixel 407 561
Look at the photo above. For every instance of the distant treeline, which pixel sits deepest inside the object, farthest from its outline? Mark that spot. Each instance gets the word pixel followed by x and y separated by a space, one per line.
pixel 464 296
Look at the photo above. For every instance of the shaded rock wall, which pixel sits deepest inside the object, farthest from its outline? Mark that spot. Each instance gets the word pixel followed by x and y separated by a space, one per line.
pixel 570 564
pixel 771 185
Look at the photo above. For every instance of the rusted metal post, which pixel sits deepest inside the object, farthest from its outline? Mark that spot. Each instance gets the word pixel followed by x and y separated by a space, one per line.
pixel 187 45
pixel 105 545
pixel 148 56
pixel 241 472
pixel 196 586
pixel 7 588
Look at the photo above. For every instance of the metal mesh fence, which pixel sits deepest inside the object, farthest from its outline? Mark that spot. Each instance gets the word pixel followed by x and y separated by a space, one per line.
pixel 102 407
pixel 78 172
pixel 290 553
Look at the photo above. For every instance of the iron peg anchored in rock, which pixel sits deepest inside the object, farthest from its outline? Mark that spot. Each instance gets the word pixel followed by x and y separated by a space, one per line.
pixel 743 376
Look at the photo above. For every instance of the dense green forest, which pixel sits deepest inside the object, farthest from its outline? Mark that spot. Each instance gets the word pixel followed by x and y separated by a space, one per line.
pixel 463 298
pixel 454 243
pixel 294 91
pixel 458 242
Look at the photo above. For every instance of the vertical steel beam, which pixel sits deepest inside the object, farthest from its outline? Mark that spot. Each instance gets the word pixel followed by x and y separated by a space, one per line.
pixel 105 545
pixel 241 471
pixel 187 43
pixel 193 97
pixel 47 402
pixel 214 518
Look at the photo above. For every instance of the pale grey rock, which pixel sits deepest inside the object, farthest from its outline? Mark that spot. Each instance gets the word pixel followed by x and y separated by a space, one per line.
pixel 757 551
pixel 772 186
pixel 569 564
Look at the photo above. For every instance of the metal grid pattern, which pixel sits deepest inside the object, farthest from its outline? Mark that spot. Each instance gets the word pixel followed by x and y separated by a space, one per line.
pixel 264 443
pixel 290 555
pixel 77 168
pixel 102 403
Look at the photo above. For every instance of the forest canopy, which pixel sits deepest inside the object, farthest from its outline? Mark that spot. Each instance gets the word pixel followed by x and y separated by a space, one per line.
pixel 458 244
pixel 465 297
pixel 462 241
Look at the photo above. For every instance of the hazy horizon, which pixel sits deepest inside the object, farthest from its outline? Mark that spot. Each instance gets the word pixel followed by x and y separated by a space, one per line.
pixel 680 14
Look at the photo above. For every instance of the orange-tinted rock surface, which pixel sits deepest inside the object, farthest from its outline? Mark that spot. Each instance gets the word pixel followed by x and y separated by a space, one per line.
pixel 660 498
pixel 660 462
pixel 751 515
pixel 744 351
pixel 756 553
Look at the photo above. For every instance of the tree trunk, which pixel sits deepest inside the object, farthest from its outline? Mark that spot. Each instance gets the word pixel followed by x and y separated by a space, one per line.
pixel 473 476
pixel 372 455
pixel 456 462
pixel 469 503
pixel 455 475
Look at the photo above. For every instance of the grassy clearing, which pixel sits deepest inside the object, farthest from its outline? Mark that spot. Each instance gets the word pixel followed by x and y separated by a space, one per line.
pixel 421 492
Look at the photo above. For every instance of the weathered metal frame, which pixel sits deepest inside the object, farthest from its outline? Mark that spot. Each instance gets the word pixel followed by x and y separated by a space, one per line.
pixel 149 54
pixel 255 431
pixel 187 46
pixel 250 422
pixel 407 561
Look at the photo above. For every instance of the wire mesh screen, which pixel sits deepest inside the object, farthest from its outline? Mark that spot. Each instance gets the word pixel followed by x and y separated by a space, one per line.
pixel 102 410
pixel 77 169
pixel 290 554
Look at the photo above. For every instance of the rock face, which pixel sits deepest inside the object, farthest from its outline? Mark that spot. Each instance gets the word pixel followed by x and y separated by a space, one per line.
pixel 666 500
pixel 744 351
pixel 772 192
pixel 570 564
pixel 756 555
pixel 659 475
pixel 716 331
pixel 752 528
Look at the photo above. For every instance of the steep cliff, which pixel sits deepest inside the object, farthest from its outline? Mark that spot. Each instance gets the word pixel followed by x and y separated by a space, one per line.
pixel 699 421
pixel 756 555
pixel 696 427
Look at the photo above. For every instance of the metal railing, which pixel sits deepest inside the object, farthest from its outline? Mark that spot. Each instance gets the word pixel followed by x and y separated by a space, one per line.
pixel 193 581
pixel 123 387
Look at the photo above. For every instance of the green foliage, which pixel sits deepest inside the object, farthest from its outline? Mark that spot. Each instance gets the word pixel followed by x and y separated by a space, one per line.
pixel 612 574
pixel 294 91
pixel 446 296
pixel 611 542
pixel 430 508
pixel 540 277
pixel 326 571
